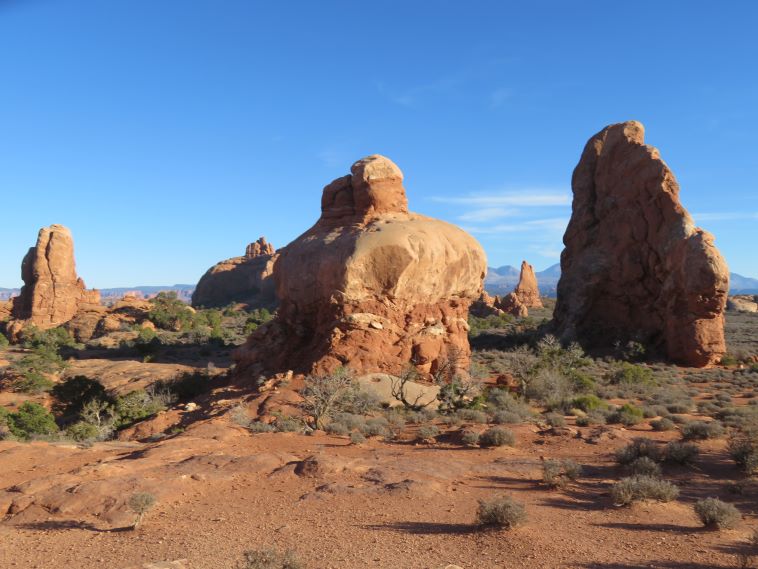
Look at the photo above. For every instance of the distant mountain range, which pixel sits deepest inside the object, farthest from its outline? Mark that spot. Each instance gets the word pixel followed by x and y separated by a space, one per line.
pixel 183 291
pixel 499 280
pixel 502 280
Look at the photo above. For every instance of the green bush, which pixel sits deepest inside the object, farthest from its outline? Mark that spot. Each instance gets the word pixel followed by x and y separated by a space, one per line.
pixel 502 512
pixel 140 404
pixel 588 403
pixel 497 437
pixel 717 514
pixel 555 419
pixel 469 438
pixel 357 438
pixel 635 488
pixel 631 374
pixel 31 419
pixel 170 313
pixel 74 392
pixel 627 415
pixel 83 431
pixel 3 341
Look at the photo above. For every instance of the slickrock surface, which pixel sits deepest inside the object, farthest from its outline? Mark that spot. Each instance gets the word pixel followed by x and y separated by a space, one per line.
pixel 635 267
pixel 371 285
pixel 247 279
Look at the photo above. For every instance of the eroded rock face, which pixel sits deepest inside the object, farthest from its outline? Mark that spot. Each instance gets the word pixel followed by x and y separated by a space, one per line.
pixel 52 293
pixel 635 267
pixel 370 286
pixel 527 291
pixel 247 279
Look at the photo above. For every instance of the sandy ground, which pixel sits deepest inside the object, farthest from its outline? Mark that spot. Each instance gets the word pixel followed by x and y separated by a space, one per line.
pixel 222 490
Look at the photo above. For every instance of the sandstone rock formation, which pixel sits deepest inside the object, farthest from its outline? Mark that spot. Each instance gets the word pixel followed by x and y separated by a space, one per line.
pixel 486 305
pixel 526 295
pixel 370 286
pixel 52 293
pixel 247 279
pixel 635 267
pixel 743 303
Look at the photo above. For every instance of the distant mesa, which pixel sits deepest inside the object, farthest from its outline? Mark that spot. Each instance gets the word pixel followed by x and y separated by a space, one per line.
pixel 370 286
pixel 635 267
pixel 248 280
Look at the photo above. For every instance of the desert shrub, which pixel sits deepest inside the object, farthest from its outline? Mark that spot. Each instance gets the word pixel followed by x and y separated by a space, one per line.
pixel 555 419
pixel 743 448
pixel 29 420
pixel 644 466
pixel 376 427
pixel 477 324
pixel 558 473
pixel 627 415
pixel 350 420
pixel 269 559
pixel 592 418
pixel 82 431
pixel 72 394
pixel 717 514
pixel 3 341
pixel 663 424
pixel 326 395
pixel 502 512
pixel 728 360
pixel 338 429
pixel 588 403
pixel 456 391
pixel 503 402
pixel 681 453
pixel 702 430
pixel 631 351
pixel 506 418
pixel 399 389
pixel 472 415
pixel 470 438
pixel 638 448
pixel 30 371
pixel 259 427
pixel 287 424
pixel 54 339
pixel 140 503
pixel 170 313
pixel 140 404
pixel 634 488
pixel 550 387
pixel 497 437
pixel 428 432
pixel 357 438
pixel 631 374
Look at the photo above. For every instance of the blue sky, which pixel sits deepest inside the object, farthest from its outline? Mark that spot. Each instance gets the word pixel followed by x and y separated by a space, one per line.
pixel 168 134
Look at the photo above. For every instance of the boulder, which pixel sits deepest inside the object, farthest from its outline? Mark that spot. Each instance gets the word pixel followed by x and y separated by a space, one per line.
pixel 743 303
pixel 245 279
pixel 370 286
pixel 485 306
pixel 634 266
pixel 52 293
pixel 512 304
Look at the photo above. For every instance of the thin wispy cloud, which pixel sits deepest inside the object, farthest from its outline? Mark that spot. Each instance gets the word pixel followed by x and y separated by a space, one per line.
pixel 523 198
pixel 488 214
pixel 408 97
pixel 724 216
pixel 553 225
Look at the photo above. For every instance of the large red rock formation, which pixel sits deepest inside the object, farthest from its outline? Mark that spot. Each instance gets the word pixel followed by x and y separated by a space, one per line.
pixel 635 267
pixel 247 279
pixel 370 286
pixel 52 293
pixel 526 295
